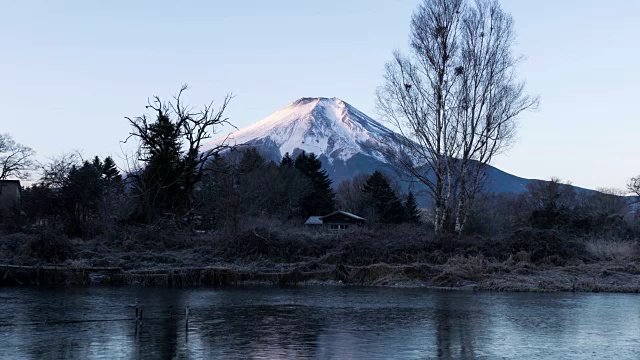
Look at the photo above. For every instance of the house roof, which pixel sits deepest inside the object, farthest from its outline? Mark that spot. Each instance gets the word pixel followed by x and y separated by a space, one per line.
pixel 10 182
pixel 353 216
pixel 314 220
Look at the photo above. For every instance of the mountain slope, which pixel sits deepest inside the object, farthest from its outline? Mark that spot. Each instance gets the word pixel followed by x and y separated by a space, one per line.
pixel 328 127
pixel 345 139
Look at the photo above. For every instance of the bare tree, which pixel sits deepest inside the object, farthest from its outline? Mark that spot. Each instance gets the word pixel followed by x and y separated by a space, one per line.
pixel 57 169
pixel 418 97
pixel 175 138
pixel 349 194
pixel 455 100
pixel 16 160
pixel 608 201
pixel 634 186
pixel 552 195
pixel 489 97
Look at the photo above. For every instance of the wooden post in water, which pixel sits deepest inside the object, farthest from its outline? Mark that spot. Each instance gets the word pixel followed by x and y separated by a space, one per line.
pixel 186 321
pixel 136 322
pixel 140 318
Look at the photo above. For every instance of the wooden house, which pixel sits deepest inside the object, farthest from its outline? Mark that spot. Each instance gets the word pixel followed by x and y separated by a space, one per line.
pixel 336 221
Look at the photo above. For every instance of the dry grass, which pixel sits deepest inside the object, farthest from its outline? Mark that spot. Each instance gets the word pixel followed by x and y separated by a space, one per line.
pixel 613 250
pixel 527 260
pixel 461 269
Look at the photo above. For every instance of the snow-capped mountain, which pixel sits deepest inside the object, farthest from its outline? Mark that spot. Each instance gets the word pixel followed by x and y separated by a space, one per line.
pixel 323 126
pixel 344 139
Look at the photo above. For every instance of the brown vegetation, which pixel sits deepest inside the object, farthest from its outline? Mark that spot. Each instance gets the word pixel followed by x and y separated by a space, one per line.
pixel 526 260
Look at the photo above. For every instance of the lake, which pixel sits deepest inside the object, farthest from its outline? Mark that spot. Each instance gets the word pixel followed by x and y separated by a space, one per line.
pixel 322 322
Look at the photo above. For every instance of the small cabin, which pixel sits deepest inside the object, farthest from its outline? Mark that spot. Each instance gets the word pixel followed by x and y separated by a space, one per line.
pixel 9 196
pixel 9 193
pixel 336 221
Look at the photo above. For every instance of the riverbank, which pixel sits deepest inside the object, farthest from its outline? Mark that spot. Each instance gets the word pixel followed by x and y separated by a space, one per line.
pixel 525 260
pixel 473 274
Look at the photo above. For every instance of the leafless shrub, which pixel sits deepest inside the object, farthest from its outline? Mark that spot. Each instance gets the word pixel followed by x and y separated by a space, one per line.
pixel 48 246
pixel 57 169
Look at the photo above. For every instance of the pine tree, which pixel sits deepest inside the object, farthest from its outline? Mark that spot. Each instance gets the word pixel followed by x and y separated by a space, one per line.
pixel 218 193
pixel 110 173
pixel 385 202
pixel 97 164
pixel 81 195
pixel 320 200
pixel 411 209
pixel 159 187
pixel 287 161
pixel 251 160
pixel 292 187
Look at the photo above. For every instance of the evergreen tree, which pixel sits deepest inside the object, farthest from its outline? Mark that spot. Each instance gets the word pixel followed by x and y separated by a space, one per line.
pixel 110 173
pixel 41 201
pixel 97 164
pixel 286 161
pixel 385 202
pixel 251 178
pixel 159 186
pixel 411 209
pixel 320 200
pixel 292 188
pixel 219 201
pixel 81 195
pixel 251 160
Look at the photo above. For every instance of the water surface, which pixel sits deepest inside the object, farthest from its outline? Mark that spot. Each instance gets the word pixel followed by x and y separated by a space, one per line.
pixel 315 322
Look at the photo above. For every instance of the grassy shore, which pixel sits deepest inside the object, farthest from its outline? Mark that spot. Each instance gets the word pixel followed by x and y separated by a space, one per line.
pixel 526 260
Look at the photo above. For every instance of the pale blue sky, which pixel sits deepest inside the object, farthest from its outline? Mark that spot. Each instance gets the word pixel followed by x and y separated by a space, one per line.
pixel 71 70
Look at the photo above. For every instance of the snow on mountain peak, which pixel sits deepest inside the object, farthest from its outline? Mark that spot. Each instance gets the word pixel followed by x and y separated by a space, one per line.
pixel 324 126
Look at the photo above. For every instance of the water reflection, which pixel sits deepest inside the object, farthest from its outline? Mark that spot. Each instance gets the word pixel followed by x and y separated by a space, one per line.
pixel 322 322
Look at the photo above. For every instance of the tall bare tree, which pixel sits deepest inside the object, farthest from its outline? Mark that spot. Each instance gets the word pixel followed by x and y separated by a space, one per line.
pixel 418 97
pixel 488 94
pixel 455 100
pixel 16 160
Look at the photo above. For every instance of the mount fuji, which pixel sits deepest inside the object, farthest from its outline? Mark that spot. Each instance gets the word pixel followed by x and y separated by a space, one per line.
pixel 345 140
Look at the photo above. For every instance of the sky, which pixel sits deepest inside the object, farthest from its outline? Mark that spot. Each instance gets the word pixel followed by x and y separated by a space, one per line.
pixel 70 71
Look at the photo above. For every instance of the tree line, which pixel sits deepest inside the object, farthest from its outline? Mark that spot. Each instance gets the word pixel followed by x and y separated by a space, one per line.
pixel 455 99
pixel 174 181
pixel 85 197
pixel 558 206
